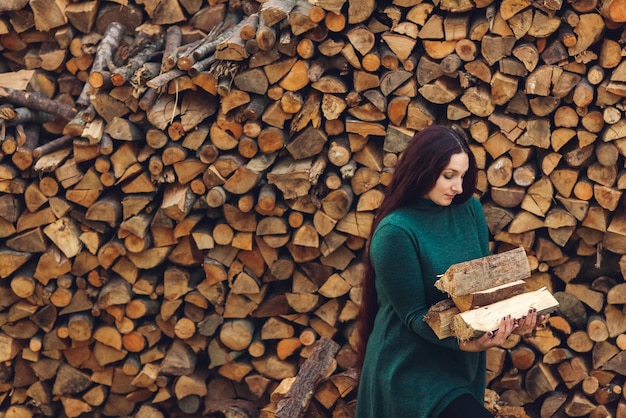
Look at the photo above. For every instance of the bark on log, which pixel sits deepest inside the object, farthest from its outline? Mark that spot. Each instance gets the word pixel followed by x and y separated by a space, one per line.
pixel 294 404
pixel 484 273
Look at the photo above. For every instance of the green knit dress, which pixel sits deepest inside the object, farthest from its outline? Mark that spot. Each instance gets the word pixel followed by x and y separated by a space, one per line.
pixel 408 371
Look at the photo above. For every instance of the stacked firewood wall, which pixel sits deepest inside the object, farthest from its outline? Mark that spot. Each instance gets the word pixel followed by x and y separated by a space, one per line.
pixel 186 188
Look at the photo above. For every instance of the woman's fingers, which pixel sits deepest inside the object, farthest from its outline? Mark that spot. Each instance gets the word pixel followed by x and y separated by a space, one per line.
pixel 494 338
pixel 509 325
pixel 506 327
pixel 528 323
pixel 541 319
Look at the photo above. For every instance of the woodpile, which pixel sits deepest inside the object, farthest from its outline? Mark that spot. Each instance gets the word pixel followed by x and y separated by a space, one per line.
pixel 186 188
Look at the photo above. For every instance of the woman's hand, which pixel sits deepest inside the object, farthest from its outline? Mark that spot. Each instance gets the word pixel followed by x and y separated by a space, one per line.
pixel 526 324
pixel 492 338
pixel 508 325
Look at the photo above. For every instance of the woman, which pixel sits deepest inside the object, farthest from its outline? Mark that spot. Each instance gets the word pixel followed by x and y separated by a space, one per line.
pixel 427 221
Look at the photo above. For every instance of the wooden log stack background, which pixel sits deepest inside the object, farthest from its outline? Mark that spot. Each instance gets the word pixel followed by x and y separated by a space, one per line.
pixel 186 188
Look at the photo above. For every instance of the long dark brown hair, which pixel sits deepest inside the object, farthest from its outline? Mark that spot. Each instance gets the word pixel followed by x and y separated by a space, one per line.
pixel 420 165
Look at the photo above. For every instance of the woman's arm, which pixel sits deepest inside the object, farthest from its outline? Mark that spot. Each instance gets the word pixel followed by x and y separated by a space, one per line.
pixel 399 276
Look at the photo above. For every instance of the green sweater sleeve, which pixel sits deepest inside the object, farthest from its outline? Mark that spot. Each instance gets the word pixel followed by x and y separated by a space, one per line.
pixel 481 223
pixel 399 277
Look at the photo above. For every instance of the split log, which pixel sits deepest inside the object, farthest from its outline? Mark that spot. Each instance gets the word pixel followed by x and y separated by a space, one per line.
pixel 476 322
pixel 488 296
pixel 484 273
pixel 294 404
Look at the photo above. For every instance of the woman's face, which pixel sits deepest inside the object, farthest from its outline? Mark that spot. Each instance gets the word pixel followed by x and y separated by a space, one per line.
pixel 450 181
